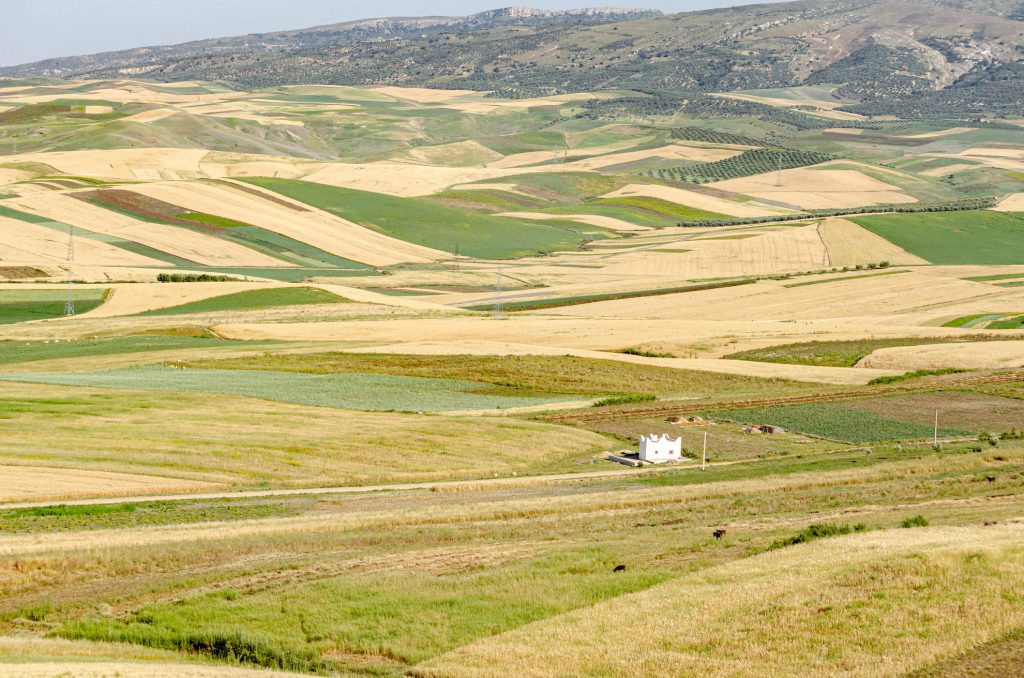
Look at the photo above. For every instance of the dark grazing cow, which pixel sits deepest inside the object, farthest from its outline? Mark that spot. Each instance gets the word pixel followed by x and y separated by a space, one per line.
pixel 718 534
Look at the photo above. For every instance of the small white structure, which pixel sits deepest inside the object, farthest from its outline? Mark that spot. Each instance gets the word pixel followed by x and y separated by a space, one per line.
pixel 659 449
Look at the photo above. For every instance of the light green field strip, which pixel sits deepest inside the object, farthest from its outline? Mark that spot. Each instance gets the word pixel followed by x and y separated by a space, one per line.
pixel 348 391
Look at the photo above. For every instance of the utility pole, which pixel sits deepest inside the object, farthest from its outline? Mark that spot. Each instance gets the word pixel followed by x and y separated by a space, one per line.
pixel 704 455
pixel 935 440
pixel 498 296
pixel 69 303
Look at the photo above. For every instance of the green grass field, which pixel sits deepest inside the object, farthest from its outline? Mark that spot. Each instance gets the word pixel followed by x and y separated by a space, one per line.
pixel 344 390
pixel 253 300
pixel 434 225
pixel 836 422
pixel 23 305
pixel 523 374
pixel 973 237
pixel 15 352
pixel 638 210
pixel 836 353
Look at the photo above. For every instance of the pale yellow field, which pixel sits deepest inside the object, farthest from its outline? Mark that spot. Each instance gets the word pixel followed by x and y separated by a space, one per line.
pixel 36 483
pixel 948 169
pixel 130 92
pixel 142 297
pixel 938 133
pixel 995 152
pixel 459 154
pixel 852 131
pixel 783 103
pixel 9 176
pixel 808 373
pixel 35 657
pixel 702 201
pixel 182 242
pixel 320 229
pixel 849 245
pixel 145 164
pixel 592 219
pixel 879 300
pixel 986 355
pixel 403 179
pixel 811 188
pixel 1013 203
pixel 773 251
pixel 809 610
pixel 670 152
pixel 22 242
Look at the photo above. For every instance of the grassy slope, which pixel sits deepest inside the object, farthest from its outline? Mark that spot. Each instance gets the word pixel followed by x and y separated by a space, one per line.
pixel 529 374
pixel 427 223
pixel 253 300
pixel 978 237
pixel 835 422
pixel 247 442
pixel 348 391
pixel 462 555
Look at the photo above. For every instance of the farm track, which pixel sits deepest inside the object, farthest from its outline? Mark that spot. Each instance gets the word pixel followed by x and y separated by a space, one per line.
pixel 698 406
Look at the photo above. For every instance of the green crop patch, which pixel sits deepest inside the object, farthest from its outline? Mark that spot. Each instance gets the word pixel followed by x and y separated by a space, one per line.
pixel 378 614
pixel 835 422
pixel 262 240
pixel 253 300
pixel 23 305
pixel 377 392
pixel 518 375
pixel 968 237
pixel 441 227
pixel 640 210
pixel 14 352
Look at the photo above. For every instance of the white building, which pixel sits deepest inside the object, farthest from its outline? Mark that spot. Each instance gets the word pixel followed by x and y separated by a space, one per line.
pixel 659 449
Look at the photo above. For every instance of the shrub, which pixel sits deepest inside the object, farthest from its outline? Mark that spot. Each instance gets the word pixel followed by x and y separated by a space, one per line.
pixel 818 531
pixel 624 399
pixel 646 354
pixel 194 277
pixel 986 437
pixel 916 521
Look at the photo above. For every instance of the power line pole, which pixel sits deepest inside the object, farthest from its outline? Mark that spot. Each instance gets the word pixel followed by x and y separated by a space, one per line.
pixel 935 440
pixel 704 455
pixel 498 310
pixel 69 304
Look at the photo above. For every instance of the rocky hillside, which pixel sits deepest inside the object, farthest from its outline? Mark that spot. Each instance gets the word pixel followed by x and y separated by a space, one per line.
pixel 904 57
pixel 281 44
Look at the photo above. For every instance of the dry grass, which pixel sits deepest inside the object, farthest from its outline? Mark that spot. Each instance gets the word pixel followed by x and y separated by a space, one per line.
pixel 850 245
pixel 815 609
pixel 967 356
pixel 34 483
pixel 189 437
pixel 817 188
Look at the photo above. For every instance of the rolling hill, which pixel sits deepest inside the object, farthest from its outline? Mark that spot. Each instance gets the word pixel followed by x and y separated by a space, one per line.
pixel 891 56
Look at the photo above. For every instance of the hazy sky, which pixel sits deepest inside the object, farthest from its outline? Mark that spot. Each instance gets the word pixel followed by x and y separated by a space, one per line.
pixel 32 30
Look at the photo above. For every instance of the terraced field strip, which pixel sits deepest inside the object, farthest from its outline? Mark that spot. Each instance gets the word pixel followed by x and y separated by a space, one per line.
pixel 700 406
pixel 275 245
pixel 433 225
pixel 610 296
pixel 127 245
pixel 23 305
